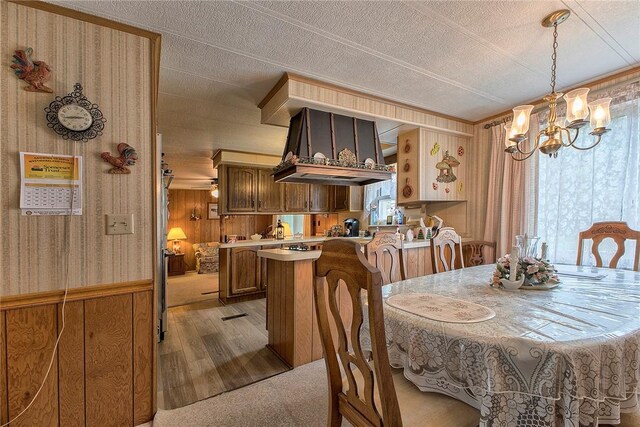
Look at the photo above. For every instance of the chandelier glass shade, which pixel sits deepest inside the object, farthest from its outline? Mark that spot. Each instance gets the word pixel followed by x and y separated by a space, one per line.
pixel 560 132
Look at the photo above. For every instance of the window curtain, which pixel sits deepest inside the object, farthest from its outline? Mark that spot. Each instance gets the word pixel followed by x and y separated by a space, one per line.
pixel 603 184
pixel 512 195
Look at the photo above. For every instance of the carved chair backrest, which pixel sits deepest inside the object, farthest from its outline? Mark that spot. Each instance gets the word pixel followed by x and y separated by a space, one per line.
pixel 343 265
pixel 386 253
pixel 619 231
pixel 474 253
pixel 446 250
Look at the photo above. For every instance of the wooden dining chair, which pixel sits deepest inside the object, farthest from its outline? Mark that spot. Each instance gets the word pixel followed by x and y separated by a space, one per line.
pixel 619 231
pixel 446 250
pixel 386 252
pixel 370 395
pixel 473 253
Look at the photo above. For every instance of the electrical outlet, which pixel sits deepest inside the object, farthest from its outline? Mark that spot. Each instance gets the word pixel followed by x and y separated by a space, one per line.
pixel 119 223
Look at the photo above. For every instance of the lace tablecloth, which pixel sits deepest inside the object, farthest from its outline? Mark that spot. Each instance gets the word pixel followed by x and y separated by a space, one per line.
pixel 569 356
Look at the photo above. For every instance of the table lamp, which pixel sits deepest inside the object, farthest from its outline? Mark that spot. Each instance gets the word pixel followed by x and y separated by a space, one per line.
pixel 176 234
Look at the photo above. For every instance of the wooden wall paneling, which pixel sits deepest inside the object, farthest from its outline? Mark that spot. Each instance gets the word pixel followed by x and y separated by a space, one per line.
pixel 109 361
pixel 3 371
pixel 181 204
pixel 74 294
pixel 143 373
pixel 245 225
pixel 31 334
pixel 71 364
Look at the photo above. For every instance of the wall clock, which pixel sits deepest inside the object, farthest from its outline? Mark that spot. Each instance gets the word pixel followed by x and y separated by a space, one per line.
pixel 74 117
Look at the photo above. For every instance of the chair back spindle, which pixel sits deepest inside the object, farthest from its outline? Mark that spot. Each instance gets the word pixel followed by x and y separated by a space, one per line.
pixel 344 266
pixel 474 253
pixel 386 253
pixel 446 250
pixel 619 231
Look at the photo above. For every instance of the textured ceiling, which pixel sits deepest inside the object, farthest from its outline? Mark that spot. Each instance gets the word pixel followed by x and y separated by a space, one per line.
pixel 468 59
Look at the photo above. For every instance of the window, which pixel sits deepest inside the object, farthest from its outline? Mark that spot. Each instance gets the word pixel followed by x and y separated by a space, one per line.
pixel 582 187
pixel 295 224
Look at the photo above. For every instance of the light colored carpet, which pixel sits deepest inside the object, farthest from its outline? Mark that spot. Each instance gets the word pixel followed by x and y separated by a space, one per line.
pixel 294 398
pixel 189 288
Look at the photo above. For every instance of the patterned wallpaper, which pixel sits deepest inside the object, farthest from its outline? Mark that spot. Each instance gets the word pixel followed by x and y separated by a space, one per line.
pixel 115 69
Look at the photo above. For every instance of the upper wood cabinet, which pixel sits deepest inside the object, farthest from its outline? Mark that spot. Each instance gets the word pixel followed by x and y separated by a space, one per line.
pixel 269 192
pixel 349 198
pixel 319 198
pixel 247 190
pixel 241 189
pixel 296 198
pixel 431 167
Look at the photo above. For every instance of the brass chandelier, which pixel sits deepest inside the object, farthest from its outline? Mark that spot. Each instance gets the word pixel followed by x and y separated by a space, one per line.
pixel 557 135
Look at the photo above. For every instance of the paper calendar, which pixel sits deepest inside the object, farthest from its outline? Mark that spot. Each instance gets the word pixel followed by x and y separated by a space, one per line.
pixel 51 184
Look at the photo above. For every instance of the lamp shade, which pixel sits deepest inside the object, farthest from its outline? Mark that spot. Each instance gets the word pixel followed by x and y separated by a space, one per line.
pixel 521 115
pixel 508 129
pixel 176 233
pixel 577 104
pixel 600 115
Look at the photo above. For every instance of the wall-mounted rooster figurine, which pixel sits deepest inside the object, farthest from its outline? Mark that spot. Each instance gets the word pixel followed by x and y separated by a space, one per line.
pixel 36 73
pixel 128 157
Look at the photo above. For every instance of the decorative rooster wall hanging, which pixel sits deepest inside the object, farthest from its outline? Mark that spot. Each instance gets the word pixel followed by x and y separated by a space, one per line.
pixel 36 73
pixel 128 157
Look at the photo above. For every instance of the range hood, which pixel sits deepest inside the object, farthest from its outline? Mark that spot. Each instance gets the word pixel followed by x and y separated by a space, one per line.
pixel 328 148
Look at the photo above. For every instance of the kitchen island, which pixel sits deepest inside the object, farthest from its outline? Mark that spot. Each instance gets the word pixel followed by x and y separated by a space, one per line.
pixel 243 274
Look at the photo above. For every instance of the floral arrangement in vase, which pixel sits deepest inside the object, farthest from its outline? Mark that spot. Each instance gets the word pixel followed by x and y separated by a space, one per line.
pixel 536 271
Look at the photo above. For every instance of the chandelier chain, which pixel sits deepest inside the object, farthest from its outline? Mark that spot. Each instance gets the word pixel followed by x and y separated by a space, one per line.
pixel 554 56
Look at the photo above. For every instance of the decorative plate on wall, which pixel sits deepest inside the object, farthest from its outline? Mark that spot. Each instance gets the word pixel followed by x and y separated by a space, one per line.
pixel 74 117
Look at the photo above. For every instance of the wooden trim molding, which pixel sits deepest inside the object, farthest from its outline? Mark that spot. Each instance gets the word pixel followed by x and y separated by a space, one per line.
pixel 283 81
pixel 591 85
pixel 85 17
pixel 296 77
pixel 74 294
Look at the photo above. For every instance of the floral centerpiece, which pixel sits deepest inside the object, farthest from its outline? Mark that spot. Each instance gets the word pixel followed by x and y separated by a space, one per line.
pixel 536 271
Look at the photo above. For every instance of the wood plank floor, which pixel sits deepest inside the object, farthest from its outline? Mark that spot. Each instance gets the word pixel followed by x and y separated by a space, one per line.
pixel 203 355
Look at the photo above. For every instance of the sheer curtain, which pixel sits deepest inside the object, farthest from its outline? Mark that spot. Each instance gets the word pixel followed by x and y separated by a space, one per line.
pixel 582 187
pixel 511 201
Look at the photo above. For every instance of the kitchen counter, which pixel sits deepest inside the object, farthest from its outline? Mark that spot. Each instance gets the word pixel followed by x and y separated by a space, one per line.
pixel 318 239
pixel 288 255
pixel 290 241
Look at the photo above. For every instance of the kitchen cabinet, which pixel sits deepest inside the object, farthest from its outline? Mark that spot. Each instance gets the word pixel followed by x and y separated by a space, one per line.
pixel 269 192
pixel 242 274
pixel 296 198
pixel 432 166
pixel 319 198
pixel 241 189
pixel 245 270
pixel 349 198
pixel 247 190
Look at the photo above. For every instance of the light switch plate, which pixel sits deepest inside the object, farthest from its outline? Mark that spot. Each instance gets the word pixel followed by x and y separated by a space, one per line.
pixel 119 223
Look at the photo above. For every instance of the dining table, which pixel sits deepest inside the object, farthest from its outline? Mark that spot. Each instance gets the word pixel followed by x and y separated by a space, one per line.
pixel 566 356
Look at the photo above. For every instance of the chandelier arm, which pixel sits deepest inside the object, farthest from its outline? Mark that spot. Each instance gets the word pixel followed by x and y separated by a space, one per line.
pixel 571 140
pixel 522 158
pixel 598 138
pixel 535 147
